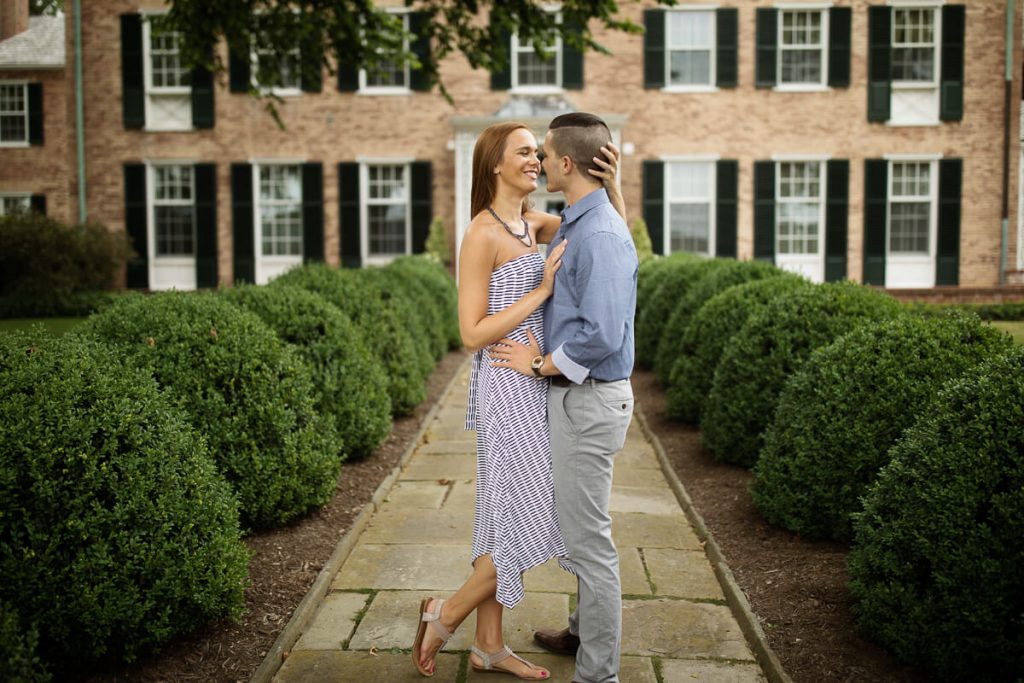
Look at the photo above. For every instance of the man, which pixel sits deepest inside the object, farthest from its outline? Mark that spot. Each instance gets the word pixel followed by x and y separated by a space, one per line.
pixel 589 327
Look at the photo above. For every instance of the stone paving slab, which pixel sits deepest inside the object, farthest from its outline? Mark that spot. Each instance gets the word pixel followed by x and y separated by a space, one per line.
pixel 334 622
pixel 334 666
pixel 653 531
pixel 680 629
pixel 437 467
pixel 627 476
pixel 418 526
pixel 659 501
pixel 418 494
pixel 686 671
pixel 682 573
pixel 448 446
pixel 404 567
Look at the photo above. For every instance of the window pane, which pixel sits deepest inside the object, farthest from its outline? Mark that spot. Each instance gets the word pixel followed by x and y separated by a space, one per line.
pixel 797 227
pixel 690 67
pixel 389 74
pixel 908 227
pixel 13 205
pixel 911 179
pixel 801 28
pixel 173 182
pixel 532 70
pixel 174 230
pixel 282 230
pixel 801 66
pixel 387 229
pixel 800 179
pixel 690 29
pixel 913 53
pixel 280 183
pixel 690 227
pixel 690 181
pixel 387 182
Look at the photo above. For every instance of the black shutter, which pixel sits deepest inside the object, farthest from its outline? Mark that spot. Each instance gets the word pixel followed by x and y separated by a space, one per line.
pixel 312 63
pixel 422 204
pixel 348 210
pixel 206 225
pixel 876 192
pixel 572 61
pixel 239 71
pixel 38 203
pixel 35 113
pixel 133 84
pixel 726 207
pixel 879 62
pixel 839 46
pixel 764 210
pixel 420 47
pixel 135 224
pixel 654 51
pixel 242 223
pixel 951 81
pixel 348 77
pixel 837 210
pixel 654 203
pixel 727 46
pixel 202 95
pixel 947 266
pixel 502 80
pixel 767 47
pixel 312 212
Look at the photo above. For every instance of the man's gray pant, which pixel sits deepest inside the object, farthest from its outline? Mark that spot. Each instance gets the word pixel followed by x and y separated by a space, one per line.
pixel 588 425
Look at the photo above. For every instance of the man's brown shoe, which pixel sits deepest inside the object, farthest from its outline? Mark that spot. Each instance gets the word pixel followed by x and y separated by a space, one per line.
pixel 560 642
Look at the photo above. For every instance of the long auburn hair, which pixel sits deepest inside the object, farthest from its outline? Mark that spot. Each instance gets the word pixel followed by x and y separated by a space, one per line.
pixel 487 153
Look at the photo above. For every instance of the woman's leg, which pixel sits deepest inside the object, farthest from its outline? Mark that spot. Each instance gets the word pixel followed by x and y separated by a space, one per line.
pixel 480 586
pixel 489 639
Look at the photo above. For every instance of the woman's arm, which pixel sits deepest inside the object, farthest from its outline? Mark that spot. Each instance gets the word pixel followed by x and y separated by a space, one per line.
pixel 476 263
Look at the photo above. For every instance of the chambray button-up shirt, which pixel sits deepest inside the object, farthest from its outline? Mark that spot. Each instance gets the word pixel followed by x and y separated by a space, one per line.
pixel 589 318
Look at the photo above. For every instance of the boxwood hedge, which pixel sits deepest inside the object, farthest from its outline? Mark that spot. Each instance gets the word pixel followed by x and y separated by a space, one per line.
pixel 414 305
pixel 435 279
pixel 667 284
pixel 771 346
pixel 247 392
pixel 713 325
pixel 935 568
pixel 349 380
pixel 18 644
pixel 838 416
pixel 117 531
pixel 383 330
pixel 712 276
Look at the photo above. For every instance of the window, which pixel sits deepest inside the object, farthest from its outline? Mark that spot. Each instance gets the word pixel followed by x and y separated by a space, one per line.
pixel 910 207
pixel 390 74
pixel 799 207
pixel 690 205
pixel 280 210
pixel 14 203
pixel 173 211
pixel 13 114
pixel 165 66
pixel 914 45
pixel 287 77
pixel 690 48
pixel 530 70
pixel 802 42
pixel 387 210
pixel 168 83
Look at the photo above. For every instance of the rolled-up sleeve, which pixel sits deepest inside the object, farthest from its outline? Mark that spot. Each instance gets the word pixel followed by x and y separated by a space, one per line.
pixel 605 268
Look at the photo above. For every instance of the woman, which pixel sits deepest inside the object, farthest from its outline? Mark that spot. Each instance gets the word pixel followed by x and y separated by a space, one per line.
pixel 503 284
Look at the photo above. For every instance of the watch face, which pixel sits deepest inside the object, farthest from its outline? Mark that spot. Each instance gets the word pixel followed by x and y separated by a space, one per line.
pixel 537 362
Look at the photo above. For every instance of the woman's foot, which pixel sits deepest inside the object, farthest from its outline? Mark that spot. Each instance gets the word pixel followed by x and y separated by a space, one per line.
pixel 432 640
pixel 504 660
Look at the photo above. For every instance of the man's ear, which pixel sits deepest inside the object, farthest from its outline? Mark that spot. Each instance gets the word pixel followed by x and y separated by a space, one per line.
pixel 565 162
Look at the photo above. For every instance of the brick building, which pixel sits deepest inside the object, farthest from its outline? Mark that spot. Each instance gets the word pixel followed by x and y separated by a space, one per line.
pixel 870 140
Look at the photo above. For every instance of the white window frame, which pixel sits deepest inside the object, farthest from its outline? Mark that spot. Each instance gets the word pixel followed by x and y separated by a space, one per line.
pixel 152 92
pixel 557 49
pixel 710 163
pixel 276 90
pixel 822 9
pixel 933 212
pixel 713 49
pixel 365 89
pixel 901 86
pixel 25 197
pixel 274 261
pixel 365 202
pixel 822 161
pixel 152 202
pixel 24 91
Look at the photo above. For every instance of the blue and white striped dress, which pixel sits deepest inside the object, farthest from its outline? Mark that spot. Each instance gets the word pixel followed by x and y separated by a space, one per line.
pixel 516 521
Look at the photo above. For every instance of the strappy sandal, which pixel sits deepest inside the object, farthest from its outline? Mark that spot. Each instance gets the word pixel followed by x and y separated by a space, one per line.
pixel 489 660
pixel 430 619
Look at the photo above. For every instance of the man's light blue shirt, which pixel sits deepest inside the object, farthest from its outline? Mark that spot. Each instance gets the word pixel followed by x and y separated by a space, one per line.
pixel 589 318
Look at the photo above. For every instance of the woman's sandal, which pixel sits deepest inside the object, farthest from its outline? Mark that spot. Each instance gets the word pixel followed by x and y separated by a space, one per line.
pixel 489 660
pixel 430 619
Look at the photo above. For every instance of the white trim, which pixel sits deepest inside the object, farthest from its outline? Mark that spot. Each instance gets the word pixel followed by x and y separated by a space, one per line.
pixel 801 157
pixel 690 89
pixel 822 50
pixel 1020 211
pixel 277 161
pixel 915 3
pixel 24 85
pixel 712 204
pixel 687 158
pixel 710 86
pixel 912 157
pixel 804 5
pixel 364 210
pixel 913 259
pixel 260 260
pixel 801 87
pixel 384 161
pixel 814 260
pixel 153 260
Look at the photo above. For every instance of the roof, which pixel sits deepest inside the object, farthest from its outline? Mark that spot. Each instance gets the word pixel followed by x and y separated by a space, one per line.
pixel 40 47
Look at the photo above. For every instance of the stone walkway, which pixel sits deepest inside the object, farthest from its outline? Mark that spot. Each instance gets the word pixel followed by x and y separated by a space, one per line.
pixel 677 626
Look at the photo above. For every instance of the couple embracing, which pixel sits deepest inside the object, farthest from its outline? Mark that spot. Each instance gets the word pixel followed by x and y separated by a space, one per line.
pixel 549 396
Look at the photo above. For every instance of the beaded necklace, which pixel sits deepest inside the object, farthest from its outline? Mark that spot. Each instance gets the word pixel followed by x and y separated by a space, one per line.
pixel 526 228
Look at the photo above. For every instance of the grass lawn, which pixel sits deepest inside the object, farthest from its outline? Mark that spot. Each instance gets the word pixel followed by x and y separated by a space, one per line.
pixel 1014 327
pixel 56 326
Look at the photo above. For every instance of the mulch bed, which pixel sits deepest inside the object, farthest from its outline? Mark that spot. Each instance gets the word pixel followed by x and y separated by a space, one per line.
pixel 796 587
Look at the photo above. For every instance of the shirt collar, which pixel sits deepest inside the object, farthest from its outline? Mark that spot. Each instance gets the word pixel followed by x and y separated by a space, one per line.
pixel 596 198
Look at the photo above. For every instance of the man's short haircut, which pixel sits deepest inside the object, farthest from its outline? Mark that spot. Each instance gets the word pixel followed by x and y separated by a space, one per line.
pixel 580 137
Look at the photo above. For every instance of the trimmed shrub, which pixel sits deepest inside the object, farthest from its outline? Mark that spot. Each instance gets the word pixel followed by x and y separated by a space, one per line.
pixel 382 329
pixel 437 242
pixel 641 240
pixel 117 531
pixel 417 308
pixel 48 268
pixel 713 276
pixel 18 649
pixel 671 280
pixel 771 346
pixel 349 380
pixel 935 568
pixel 838 416
pixel 247 392
pixel 713 325
pixel 441 286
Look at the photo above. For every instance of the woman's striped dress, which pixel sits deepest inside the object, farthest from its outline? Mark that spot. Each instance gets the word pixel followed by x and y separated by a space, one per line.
pixel 516 522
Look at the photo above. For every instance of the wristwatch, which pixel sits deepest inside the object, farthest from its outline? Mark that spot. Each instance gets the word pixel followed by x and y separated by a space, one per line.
pixel 536 364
